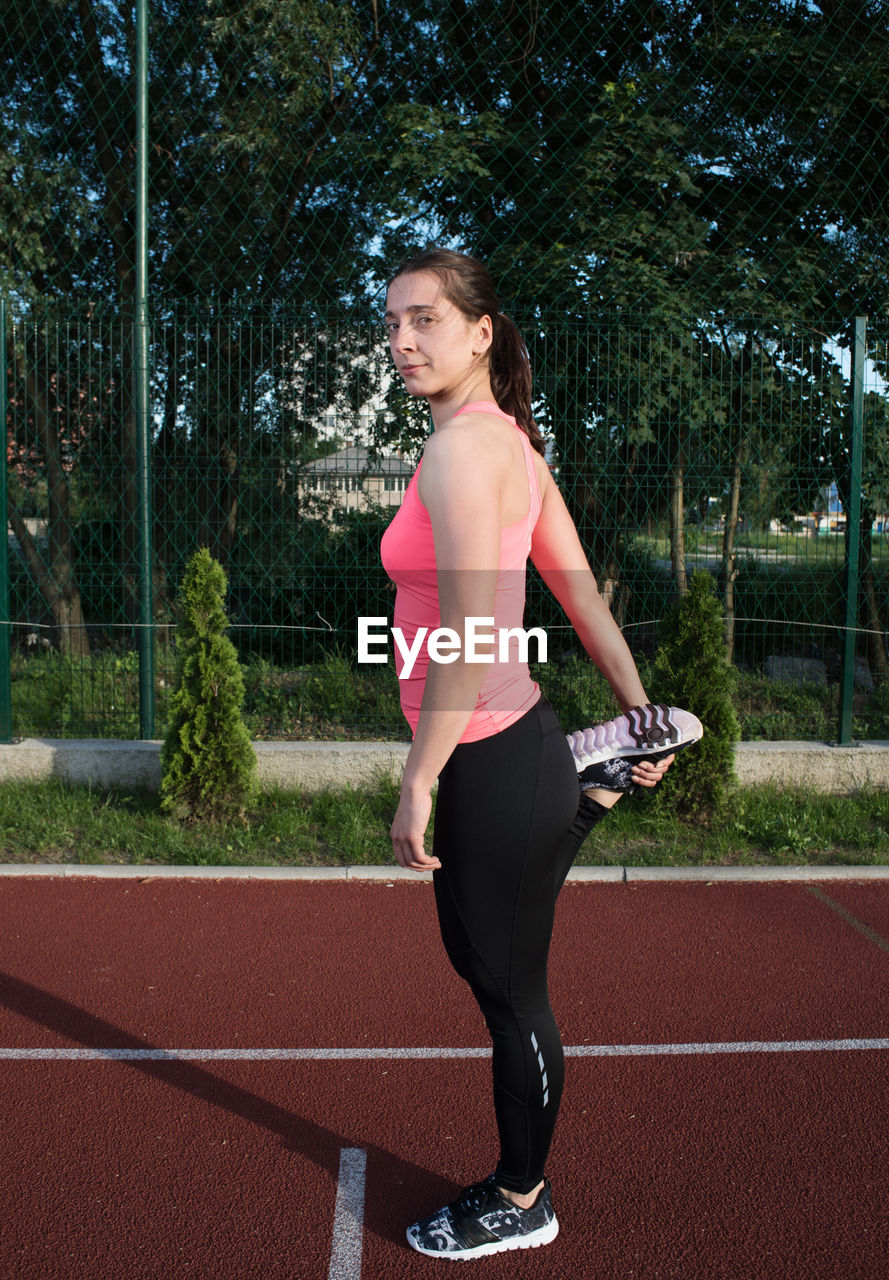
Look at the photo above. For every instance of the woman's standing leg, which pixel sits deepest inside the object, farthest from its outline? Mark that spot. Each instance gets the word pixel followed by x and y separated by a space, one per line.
pixel 509 822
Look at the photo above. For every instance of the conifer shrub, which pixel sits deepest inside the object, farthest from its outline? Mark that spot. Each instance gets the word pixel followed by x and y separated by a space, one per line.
pixel 208 765
pixel 691 670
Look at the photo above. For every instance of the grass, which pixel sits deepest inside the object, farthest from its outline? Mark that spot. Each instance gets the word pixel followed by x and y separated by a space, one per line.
pixel 58 697
pixel 56 822
pixel 98 697
pixel 771 710
pixel 760 827
pixel 825 548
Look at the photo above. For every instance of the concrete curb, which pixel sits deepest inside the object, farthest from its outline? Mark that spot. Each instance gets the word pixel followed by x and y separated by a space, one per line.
pixel 130 765
pixel 818 766
pixel 711 875
pixel 313 766
pixel 393 875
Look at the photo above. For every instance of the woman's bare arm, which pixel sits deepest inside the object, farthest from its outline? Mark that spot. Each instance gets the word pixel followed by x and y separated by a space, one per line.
pixel 559 557
pixel 461 484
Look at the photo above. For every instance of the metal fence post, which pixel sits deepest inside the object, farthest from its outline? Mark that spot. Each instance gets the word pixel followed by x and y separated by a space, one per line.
pixel 5 646
pixel 142 387
pixel 853 532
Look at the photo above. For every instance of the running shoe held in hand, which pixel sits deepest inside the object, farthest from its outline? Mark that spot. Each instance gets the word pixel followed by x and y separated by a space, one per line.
pixel 483 1220
pixel 606 754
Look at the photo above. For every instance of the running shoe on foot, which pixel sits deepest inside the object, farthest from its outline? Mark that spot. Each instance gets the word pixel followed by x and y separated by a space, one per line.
pixel 483 1220
pixel 606 754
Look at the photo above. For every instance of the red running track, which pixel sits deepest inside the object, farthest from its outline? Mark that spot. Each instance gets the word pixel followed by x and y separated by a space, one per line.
pixel 727 1165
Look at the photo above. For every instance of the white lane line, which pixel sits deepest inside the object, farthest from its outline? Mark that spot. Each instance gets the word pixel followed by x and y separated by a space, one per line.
pixel 733 1046
pixel 348 1216
pixel 241 1055
pixel 353 1055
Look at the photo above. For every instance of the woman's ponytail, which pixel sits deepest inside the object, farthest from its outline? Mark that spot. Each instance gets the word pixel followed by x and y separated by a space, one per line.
pixel 466 283
pixel 510 369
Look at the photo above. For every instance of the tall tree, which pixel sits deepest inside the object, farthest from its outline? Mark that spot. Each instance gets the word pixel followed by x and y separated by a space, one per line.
pixel 683 163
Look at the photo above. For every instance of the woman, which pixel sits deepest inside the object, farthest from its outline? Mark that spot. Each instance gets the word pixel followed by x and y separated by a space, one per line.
pixel 510 816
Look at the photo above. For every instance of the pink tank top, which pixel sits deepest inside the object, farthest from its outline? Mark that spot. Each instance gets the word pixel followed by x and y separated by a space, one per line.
pixel 408 554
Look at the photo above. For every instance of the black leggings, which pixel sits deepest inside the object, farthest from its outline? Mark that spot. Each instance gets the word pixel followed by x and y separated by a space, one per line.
pixel 509 820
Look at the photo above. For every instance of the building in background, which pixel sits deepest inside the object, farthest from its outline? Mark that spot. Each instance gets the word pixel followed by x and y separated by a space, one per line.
pixel 354 479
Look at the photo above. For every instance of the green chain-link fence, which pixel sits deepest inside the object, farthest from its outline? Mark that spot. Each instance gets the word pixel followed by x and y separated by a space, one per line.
pixel 285 447
pixel 685 208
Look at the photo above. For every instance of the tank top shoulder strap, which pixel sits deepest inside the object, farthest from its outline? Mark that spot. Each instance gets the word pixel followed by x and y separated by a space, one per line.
pixel 484 406
pixel 534 504
pixel 490 406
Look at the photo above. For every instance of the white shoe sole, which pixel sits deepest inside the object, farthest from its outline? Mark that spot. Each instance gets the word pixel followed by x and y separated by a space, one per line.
pixel 534 1239
pixel 679 729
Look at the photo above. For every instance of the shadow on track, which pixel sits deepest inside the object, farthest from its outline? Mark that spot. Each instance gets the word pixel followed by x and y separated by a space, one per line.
pixel 320 1145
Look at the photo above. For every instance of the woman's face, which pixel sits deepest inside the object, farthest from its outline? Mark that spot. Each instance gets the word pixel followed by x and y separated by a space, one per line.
pixel 436 349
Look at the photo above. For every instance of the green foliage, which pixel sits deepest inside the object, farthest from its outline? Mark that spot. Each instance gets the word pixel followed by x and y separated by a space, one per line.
pixel 327 700
pixel 55 821
pixel 797 825
pixel 788 828
pixel 776 710
pixel 579 693
pixel 691 671
pixel 763 826
pixel 599 157
pixel 296 143
pixel 54 695
pixel 207 763
pixel 57 696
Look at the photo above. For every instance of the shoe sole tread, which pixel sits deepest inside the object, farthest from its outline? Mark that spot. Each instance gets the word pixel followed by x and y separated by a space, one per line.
pixel 543 1235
